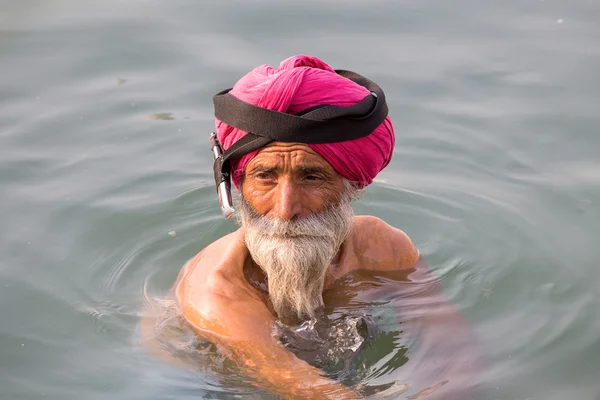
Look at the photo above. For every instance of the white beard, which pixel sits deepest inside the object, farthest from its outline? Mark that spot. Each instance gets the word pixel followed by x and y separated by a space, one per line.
pixel 296 254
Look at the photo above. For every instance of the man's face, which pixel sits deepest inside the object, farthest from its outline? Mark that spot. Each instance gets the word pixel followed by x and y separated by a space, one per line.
pixel 288 180
pixel 296 213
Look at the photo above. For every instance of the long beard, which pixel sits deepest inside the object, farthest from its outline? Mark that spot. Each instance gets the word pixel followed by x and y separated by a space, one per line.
pixel 296 254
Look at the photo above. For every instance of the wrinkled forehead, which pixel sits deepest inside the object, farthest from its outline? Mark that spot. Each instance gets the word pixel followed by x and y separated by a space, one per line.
pixel 285 155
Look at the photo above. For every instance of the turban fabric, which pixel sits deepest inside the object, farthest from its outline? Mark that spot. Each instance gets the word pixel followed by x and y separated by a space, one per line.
pixel 302 82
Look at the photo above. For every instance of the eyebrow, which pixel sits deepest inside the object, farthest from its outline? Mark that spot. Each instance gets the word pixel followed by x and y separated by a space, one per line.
pixel 303 168
pixel 313 170
pixel 263 168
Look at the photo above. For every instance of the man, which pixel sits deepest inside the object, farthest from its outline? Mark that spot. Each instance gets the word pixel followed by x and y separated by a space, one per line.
pixel 300 143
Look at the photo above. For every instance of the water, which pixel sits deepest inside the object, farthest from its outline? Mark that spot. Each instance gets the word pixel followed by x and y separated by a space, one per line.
pixel 105 110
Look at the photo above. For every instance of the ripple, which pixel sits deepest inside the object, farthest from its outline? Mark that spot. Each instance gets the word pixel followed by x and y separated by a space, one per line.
pixel 494 177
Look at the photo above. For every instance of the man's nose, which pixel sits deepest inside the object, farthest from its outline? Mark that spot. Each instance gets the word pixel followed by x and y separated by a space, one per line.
pixel 288 203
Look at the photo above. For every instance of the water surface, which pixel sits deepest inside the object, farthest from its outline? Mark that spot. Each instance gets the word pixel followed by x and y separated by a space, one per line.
pixel 105 110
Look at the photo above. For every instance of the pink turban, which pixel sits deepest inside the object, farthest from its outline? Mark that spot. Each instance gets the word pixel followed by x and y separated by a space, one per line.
pixel 299 83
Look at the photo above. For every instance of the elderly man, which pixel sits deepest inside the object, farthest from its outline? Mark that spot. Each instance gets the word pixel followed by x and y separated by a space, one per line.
pixel 299 143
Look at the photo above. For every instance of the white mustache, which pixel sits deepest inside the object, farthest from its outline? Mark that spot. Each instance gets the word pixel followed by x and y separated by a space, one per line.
pixel 308 226
pixel 315 225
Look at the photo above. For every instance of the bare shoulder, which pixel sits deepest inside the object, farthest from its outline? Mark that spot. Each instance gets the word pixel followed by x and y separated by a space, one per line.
pixel 379 245
pixel 213 275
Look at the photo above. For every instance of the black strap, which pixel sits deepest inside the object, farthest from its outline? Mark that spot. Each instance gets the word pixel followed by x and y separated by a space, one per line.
pixel 320 124
pixel 245 145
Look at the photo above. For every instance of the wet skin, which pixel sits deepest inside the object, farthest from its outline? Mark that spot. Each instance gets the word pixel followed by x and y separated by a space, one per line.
pixel 213 289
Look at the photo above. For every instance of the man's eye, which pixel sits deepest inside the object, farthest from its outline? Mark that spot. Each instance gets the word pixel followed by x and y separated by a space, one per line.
pixel 263 175
pixel 313 178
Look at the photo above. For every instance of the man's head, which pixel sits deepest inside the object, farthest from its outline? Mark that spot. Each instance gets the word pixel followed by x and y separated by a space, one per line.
pixel 295 197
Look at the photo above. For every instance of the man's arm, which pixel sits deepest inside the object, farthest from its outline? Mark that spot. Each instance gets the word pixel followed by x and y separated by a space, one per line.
pixel 221 306
pixel 242 328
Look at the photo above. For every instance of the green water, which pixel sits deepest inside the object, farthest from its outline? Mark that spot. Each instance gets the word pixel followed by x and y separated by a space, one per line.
pixel 105 110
